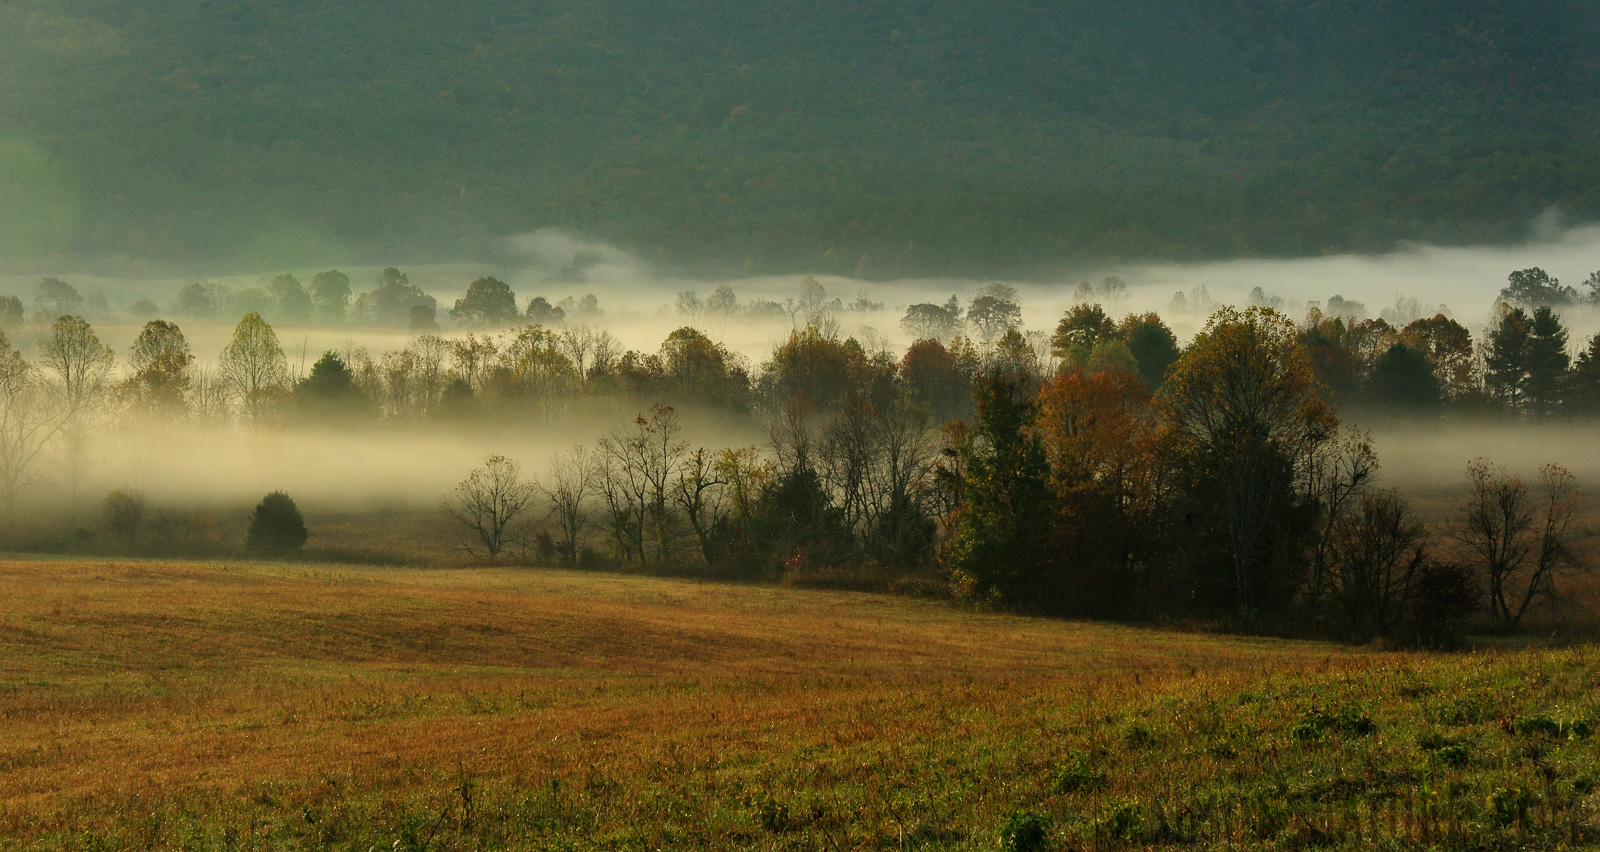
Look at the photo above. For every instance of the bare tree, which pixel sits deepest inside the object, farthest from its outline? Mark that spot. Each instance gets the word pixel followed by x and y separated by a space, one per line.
pixel 700 495
pixel 572 477
pixel 30 419
pixel 1378 547
pixel 723 303
pixel 429 356
pixel 636 476
pixel 1338 474
pixel 124 510
pixel 792 310
pixel 691 305
pixel 1522 547
pixel 487 503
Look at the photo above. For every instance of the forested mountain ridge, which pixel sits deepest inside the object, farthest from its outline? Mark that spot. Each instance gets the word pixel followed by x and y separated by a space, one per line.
pixel 869 137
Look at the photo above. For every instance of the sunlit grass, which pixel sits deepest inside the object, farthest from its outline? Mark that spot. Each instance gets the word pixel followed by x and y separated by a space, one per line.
pixel 233 706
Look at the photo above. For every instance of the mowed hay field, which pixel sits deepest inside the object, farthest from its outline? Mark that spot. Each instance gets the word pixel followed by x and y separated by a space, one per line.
pixel 151 705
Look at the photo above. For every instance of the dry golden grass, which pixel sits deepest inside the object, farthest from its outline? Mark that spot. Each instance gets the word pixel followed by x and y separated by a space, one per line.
pixel 184 705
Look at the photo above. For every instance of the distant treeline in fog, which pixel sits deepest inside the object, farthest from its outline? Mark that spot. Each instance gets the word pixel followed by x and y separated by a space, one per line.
pixel 1100 469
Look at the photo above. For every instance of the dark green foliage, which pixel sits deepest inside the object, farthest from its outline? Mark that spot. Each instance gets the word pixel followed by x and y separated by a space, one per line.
pixel 293 303
pixel 1403 380
pixel 996 553
pixel 1505 364
pixel 488 302
pixel 276 526
pixel 1076 774
pixel 875 137
pixel 1025 831
pixel 541 312
pixel 10 313
pixel 330 390
pixel 1318 722
pixel 330 292
pixel 1547 361
pixel 1155 347
pixel 1527 361
pixel 395 301
pixel 1582 391
pixel 1535 288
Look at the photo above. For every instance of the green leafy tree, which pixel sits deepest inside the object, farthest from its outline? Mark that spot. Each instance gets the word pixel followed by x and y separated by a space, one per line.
pixel 330 293
pixel 292 300
pixel 1153 345
pixel 276 526
pixel 540 311
pixel 392 303
pixel 488 302
pixel 161 362
pixel 1081 328
pixel 10 313
pixel 1535 288
pixel 254 369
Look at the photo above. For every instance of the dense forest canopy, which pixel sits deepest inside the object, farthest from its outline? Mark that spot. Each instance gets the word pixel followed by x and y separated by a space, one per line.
pixel 872 138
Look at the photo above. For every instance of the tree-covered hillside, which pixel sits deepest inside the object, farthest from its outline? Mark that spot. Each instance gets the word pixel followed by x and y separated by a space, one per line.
pixel 869 136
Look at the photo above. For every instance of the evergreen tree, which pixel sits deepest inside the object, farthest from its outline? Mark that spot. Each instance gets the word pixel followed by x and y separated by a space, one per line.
pixel 276 526
pixel 1547 362
pixel 330 389
pixel 1403 380
pixel 996 554
pixel 1583 383
pixel 1506 360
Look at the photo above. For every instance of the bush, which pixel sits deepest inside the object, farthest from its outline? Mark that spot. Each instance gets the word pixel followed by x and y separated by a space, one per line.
pixel 1441 598
pixel 1025 831
pixel 276 526
pixel 124 515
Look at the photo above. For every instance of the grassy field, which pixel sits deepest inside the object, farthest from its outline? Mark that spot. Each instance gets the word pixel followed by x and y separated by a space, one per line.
pixel 149 705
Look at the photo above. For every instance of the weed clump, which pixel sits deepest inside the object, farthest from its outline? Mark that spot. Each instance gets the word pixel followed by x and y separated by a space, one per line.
pixel 1076 775
pixel 1319 721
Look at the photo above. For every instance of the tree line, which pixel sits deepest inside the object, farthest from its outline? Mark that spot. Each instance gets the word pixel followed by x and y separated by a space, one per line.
pixel 1098 470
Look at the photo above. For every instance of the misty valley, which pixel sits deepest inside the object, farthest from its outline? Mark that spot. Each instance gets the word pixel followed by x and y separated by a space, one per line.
pixel 1100 467
pixel 691 424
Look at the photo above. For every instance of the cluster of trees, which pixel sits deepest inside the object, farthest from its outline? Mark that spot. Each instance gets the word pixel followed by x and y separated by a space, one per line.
pixel 1229 491
pixel 1099 469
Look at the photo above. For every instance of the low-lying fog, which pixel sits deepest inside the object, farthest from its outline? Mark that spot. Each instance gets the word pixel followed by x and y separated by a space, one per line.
pixel 417 467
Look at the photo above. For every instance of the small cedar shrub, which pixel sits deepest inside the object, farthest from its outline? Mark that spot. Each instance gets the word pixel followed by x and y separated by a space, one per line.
pixel 276 526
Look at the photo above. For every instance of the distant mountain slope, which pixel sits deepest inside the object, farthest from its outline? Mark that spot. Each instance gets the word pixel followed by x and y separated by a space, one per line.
pixel 879 137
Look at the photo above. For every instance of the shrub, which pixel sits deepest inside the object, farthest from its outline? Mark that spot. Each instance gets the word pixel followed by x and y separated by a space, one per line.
pixel 276 526
pixel 1025 831
pixel 1318 721
pixel 124 515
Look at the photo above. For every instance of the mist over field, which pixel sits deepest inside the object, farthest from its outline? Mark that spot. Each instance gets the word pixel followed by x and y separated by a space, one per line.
pixel 364 469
